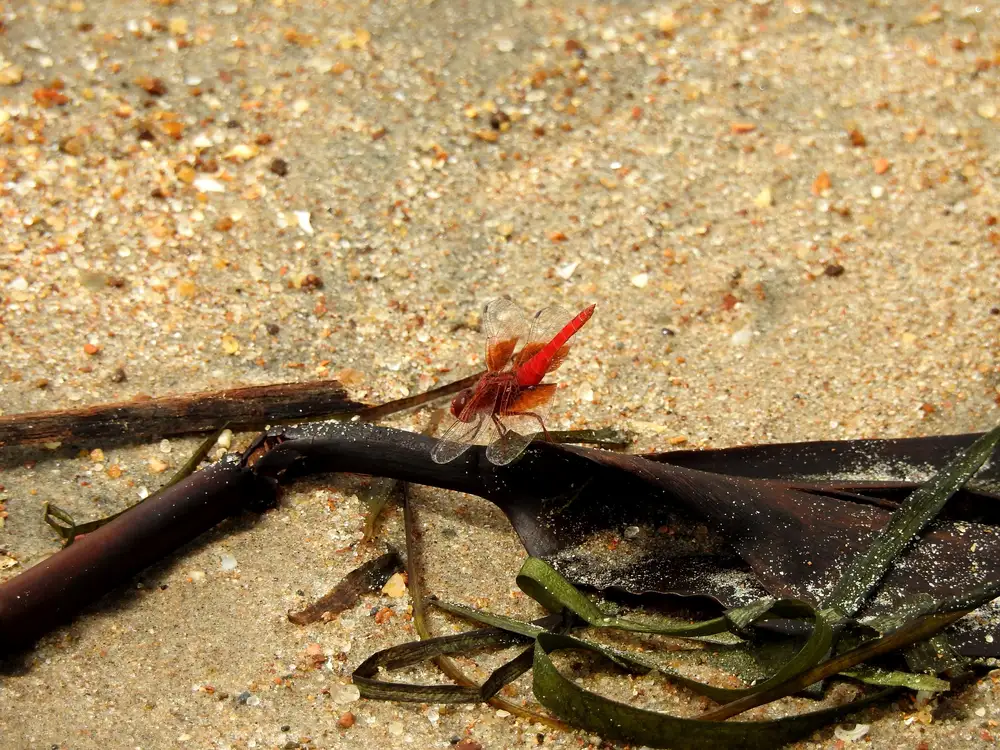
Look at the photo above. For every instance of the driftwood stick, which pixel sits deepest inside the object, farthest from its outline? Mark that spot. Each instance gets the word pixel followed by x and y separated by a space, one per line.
pixel 249 407
pixel 176 415
pixel 55 589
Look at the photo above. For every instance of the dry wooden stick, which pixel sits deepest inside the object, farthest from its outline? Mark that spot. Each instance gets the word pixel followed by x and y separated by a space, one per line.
pixel 249 407
pixel 175 415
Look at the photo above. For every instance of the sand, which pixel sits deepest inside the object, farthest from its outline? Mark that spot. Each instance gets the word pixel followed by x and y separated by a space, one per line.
pixel 786 213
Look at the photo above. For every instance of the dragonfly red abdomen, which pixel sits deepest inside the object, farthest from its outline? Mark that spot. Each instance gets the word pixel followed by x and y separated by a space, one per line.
pixel 533 370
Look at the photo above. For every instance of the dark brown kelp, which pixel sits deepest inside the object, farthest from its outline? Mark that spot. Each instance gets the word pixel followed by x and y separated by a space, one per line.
pixel 368 578
pixel 819 544
pixel 788 541
pixel 49 593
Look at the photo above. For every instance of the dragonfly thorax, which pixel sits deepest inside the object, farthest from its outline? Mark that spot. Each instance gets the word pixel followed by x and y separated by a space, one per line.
pixel 483 397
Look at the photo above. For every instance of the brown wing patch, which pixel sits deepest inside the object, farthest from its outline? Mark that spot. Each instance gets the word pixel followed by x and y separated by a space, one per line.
pixel 499 353
pixel 505 325
pixel 558 359
pixel 532 398
pixel 528 351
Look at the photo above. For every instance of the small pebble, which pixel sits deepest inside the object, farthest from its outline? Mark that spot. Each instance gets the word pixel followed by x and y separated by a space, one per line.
pixel 304 220
pixel 742 337
pixel 341 693
pixel 208 185
pixel 833 270
pixel 640 280
pixel 11 75
pixel 241 152
pixel 395 586
pixel 225 439
pixel 566 270
pixel 346 720
pixel 764 198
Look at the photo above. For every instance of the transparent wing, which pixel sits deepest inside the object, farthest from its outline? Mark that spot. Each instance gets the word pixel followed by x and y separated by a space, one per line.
pixel 505 326
pixel 507 447
pixel 544 326
pixel 473 425
pixel 458 438
pixel 521 412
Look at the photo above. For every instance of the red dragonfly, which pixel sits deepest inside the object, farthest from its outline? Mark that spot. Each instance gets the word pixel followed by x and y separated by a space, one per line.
pixel 511 392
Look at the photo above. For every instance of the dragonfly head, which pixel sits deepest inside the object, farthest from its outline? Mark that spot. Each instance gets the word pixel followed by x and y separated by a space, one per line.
pixel 460 401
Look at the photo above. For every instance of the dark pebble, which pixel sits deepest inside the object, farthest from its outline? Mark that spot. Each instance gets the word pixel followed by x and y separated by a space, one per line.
pixel 498 119
pixel 279 167
pixel 312 281
pixel 272 329
pixel 833 270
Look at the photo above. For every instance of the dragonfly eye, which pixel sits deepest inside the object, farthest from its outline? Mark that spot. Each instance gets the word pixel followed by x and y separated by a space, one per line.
pixel 459 402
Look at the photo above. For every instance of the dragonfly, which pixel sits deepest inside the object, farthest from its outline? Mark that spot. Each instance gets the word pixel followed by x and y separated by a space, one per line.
pixel 506 406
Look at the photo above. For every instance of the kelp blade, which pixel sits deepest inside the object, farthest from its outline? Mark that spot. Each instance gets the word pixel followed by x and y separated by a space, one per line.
pixel 620 722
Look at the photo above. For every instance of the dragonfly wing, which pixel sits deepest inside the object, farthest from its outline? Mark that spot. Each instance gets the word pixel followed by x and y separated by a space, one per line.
pixel 519 425
pixel 458 438
pixel 505 326
pixel 472 425
pixel 544 326
pixel 533 399
pixel 507 447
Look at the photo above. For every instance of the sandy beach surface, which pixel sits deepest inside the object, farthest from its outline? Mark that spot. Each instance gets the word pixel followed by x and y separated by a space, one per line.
pixel 786 212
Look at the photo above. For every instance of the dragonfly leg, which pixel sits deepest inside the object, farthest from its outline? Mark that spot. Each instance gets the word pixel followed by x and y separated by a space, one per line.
pixel 501 430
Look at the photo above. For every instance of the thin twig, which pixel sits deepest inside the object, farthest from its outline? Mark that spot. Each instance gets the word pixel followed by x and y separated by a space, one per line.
pixel 55 589
pixel 69 529
pixel 448 666
pixel 371 413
